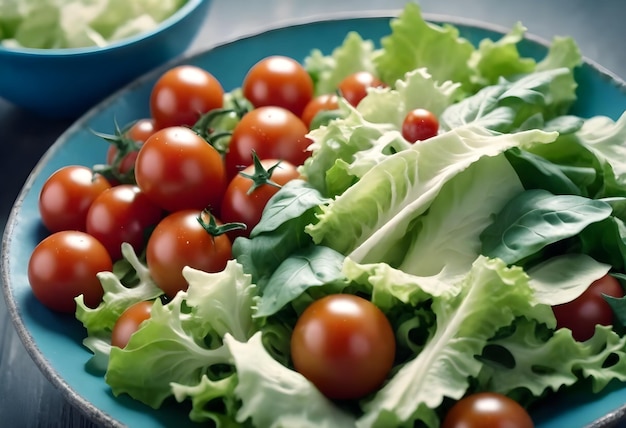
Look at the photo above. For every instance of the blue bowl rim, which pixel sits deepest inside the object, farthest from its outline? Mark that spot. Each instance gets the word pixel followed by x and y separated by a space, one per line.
pixel 189 7
pixel 88 409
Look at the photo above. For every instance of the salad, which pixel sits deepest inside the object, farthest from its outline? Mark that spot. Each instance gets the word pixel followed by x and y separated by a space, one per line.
pixel 45 24
pixel 470 248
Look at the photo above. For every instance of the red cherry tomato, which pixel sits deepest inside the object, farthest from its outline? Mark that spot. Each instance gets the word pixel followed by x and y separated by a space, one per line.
pixel 183 94
pixel 273 133
pixel 122 214
pixel 419 124
pixel 582 314
pixel 354 87
pixel 344 345
pixel 63 266
pixel 244 201
pixel 278 81
pixel 180 240
pixel 487 410
pixel 129 322
pixel 67 195
pixel 177 169
pixel 137 134
pixel 320 103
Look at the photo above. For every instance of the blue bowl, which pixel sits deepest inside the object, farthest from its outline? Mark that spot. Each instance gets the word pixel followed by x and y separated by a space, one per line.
pixel 64 83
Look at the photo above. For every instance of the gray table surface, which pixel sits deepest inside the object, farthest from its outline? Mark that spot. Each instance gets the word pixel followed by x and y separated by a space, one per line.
pixel 27 399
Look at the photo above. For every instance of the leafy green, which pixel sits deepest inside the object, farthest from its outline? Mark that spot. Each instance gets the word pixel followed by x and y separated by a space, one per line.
pixel 508 105
pixel 71 24
pixel 537 218
pixel 563 278
pixel 490 297
pixel 500 58
pixel 370 218
pixel 182 340
pixel 327 71
pixel 309 267
pixel 415 43
pixel 273 395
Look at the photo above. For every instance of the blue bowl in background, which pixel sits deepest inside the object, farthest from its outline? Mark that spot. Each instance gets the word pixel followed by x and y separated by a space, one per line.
pixel 64 83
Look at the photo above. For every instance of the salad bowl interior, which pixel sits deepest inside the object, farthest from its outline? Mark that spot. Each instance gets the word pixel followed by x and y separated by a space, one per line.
pixel 55 341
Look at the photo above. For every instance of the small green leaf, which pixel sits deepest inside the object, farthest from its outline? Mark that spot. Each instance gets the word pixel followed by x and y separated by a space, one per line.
pixel 310 267
pixel 537 218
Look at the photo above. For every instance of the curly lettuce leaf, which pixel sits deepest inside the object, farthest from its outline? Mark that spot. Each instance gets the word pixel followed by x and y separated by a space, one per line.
pixel 353 55
pixel 222 302
pixel 117 297
pixel 165 346
pixel 205 393
pixel 415 43
pixel 494 59
pixel 182 340
pixel 547 365
pixel 416 89
pixel 274 396
pixel 490 297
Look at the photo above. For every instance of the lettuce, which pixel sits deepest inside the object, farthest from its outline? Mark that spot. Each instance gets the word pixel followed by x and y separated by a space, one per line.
pixel 182 340
pixel 489 297
pixel 327 71
pixel 47 24
pixel 415 43
pixel 395 192
pixel 275 396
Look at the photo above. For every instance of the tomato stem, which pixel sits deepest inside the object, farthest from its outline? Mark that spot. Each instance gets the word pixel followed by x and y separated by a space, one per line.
pixel 260 176
pixel 124 146
pixel 215 229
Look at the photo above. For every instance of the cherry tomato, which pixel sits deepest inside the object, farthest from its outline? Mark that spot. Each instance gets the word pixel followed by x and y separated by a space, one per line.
pixel 354 87
pixel 583 313
pixel 122 214
pixel 344 345
pixel 180 240
pixel 419 124
pixel 278 81
pixel 63 266
pixel 323 102
pixel 487 410
pixel 177 169
pixel 248 192
pixel 137 134
pixel 129 322
pixel 67 195
pixel 182 94
pixel 273 133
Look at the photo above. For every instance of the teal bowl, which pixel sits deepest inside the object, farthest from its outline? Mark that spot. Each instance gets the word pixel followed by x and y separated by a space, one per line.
pixel 64 83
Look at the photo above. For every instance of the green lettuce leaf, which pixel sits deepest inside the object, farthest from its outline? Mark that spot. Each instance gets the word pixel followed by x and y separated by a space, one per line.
pixel 493 60
pixel 369 219
pixel 542 365
pixel 415 43
pixel 165 346
pixel 275 396
pixel 490 297
pixel 182 340
pixel 442 241
pixel 327 71
pixel 117 297
pixel 563 278
pixel 207 392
